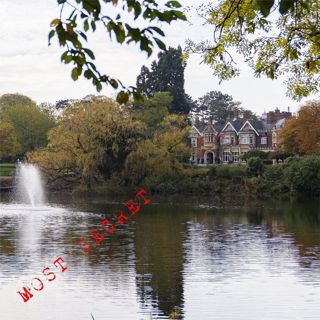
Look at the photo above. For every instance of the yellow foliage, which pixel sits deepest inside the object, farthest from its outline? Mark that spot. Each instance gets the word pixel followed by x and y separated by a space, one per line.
pixel 92 138
pixel 302 134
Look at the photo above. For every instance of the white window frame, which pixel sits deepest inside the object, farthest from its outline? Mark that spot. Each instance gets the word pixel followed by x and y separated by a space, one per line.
pixel 264 140
pixel 235 156
pixel 226 156
pixel 194 142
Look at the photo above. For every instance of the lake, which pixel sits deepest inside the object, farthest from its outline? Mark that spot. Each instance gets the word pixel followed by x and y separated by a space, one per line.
pixel 256 260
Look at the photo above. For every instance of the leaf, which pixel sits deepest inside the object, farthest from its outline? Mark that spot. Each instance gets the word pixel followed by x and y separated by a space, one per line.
pixel 86 25
pixel 88 74
pixel 114 83
pixel 158 30
pixel 160 44
pixel 265 6
pixel 285 6
pixel 99 86
pixel 173 4
pixel 122 97
pixel 93 25
pixel 74 74
pixel 51 34
pixel 89 53
pixel 55 22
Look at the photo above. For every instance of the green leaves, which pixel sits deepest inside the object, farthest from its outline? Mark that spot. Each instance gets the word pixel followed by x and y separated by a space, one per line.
pixel 72 32
pixel 284 6
pixel 265 6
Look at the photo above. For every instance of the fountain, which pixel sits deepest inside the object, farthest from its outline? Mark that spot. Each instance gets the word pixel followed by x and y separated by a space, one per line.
pixel 29 188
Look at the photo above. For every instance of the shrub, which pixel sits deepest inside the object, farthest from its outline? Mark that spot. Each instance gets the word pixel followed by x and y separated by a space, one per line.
pixel 255 153
pixel 274 172
pixel 255 166
pixel 303 175
pixel 212 171
pixel 267 161
pixel 223 171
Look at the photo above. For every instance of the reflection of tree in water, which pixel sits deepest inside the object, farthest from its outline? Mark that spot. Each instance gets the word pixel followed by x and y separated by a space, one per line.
pixel 301 219
pixel 159 258
pixel 8 236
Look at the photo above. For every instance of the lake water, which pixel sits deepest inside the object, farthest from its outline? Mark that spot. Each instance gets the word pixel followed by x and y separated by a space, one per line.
pixel 251 261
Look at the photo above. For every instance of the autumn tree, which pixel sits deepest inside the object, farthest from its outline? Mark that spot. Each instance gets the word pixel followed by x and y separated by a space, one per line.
pixel 161 156
pixel 93 139
pixel 274 37
pixel 9 146
pixel 301 135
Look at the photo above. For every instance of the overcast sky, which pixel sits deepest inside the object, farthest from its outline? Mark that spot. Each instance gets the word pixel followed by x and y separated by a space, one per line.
pixel 30 67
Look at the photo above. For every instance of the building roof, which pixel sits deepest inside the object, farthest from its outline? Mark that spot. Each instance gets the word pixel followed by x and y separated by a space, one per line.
pixel 238 124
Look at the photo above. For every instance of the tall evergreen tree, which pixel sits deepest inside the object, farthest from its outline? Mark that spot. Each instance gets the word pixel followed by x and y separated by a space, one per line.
pixel 167 74
pixel 221 107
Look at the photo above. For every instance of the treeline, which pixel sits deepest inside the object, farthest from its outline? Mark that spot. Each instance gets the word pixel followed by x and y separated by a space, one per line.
pixel 97 143
pixel 23 126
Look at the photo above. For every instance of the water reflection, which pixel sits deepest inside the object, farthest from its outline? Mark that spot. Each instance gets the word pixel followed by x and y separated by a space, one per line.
pixel 258 261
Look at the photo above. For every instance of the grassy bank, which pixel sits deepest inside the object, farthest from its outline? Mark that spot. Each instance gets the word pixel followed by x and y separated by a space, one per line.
pixel 7 169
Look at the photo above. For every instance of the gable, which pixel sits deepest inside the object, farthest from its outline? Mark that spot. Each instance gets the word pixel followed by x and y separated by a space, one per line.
pixel 194 132
pixel 210 129
pixel 248 127
pixel 228 127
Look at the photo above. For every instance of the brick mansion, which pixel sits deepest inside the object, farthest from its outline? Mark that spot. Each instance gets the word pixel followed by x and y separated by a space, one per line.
pixel 215 142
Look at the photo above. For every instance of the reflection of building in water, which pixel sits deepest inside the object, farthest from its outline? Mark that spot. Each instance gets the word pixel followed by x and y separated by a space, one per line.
pixel 159 260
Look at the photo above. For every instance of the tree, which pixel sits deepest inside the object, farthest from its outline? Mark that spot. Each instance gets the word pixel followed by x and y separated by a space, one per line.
pixel 221 107
pixel 167 74
pixel 92 140
pixel 152 111
pixel 162 155
pixel 30 123
pixel 13 99
pixel 272 44
pixel 9 146
pixel 79 18
pixel 302 134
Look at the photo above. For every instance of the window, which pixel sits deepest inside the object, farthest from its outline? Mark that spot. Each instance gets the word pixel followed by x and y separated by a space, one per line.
pixel 244 139
pixel 194 142
pixel 251 139
pixel 226 140
pixel 232 140
pixel 263 140
pixel 226 156
pixel 235 156
pixel 209 138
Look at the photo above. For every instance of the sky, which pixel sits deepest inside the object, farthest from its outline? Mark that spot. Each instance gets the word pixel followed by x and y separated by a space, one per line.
pixel 30 67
